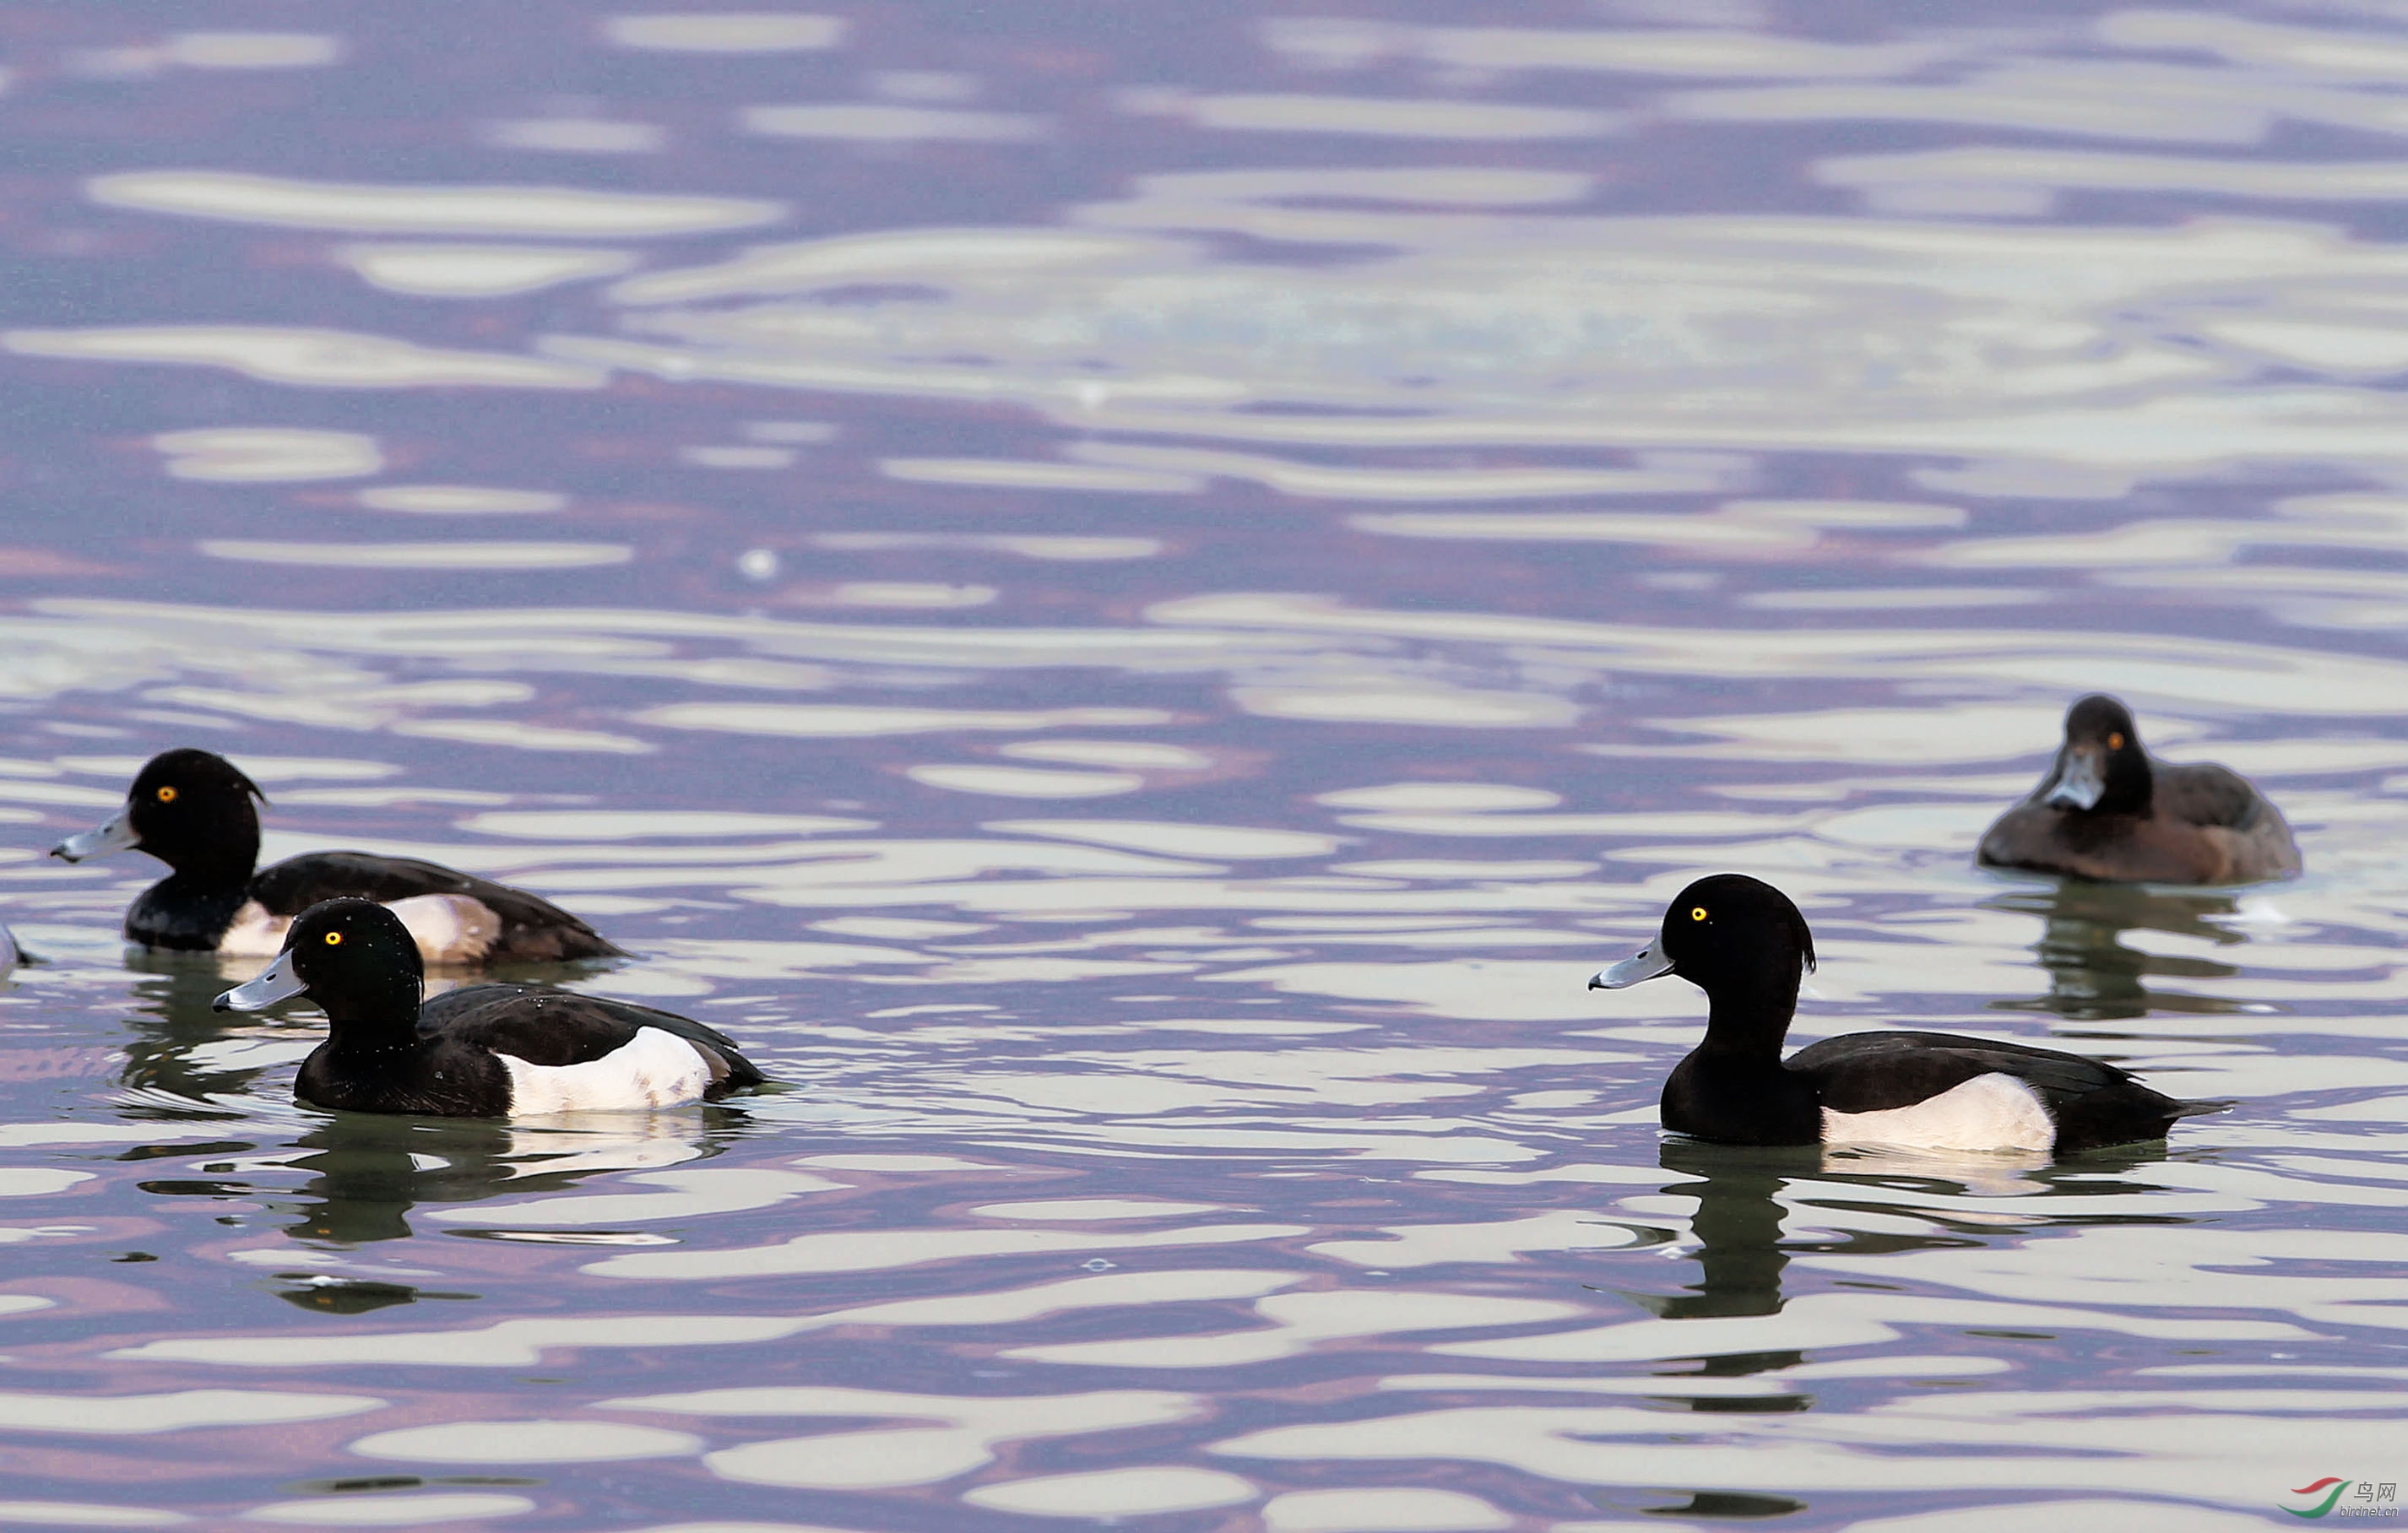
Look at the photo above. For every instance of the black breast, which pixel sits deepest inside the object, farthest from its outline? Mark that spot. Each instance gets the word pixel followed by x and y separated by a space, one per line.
pixel 1726 1101
pixel 173 913
pixel 430 1078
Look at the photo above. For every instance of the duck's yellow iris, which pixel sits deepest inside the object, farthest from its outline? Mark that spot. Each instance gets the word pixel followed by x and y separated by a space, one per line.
pixel 333 940
pixel 167 795
pixel 1696 912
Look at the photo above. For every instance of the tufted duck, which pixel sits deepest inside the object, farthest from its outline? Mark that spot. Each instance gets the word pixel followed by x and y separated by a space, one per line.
pixel 1744 944
pixel 193 811
pixel 483 1051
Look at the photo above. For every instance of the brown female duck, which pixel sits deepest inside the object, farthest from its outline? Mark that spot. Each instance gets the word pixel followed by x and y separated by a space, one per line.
pixel 2107 810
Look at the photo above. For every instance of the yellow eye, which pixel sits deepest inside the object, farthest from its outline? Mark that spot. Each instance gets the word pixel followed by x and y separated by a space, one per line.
pixel 2115 742
pixel 1696 912
pixel 333 940
pixel 167 795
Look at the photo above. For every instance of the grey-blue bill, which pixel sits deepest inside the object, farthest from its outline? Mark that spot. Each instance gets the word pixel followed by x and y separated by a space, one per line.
pixel 114 833
pixel 1648 963
pixel 2078 781
pixel 275 982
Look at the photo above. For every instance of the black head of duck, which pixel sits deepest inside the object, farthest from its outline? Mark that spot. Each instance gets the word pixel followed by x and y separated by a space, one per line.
pixel 192 810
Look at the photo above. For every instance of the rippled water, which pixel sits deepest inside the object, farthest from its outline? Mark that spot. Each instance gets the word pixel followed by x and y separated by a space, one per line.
pixel 1133 600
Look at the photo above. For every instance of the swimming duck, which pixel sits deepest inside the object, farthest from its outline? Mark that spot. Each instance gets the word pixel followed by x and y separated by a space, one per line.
pixel 2107 810
pixel 194 812
pixel 483 1051
pixel 1743 943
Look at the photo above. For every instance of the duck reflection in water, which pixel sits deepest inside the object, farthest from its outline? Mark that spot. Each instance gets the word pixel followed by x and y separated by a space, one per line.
pixel 1741 1251
pixel 1743 1256
pixel 2092 976
pixel 1738 1231
pixel 368 1170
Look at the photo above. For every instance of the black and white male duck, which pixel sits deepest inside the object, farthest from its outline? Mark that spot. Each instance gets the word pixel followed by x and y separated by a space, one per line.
pixel 196 812
pixel 483 1051
pixel 2107 810
pixel 1744 944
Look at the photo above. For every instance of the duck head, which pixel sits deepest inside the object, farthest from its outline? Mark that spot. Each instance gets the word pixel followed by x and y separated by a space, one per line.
pixel 351 957
pixel 2100 768
pixel 1738 940
pixel 192 810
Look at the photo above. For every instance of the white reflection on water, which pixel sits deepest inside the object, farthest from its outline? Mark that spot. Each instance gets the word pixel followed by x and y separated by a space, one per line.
pixel 392 1510
pixel 477 271
pixel 1113 1494
pixel 728 32
pixel 1365 1508
pixel 461 500
pixel 1392 117
pixel 136 1414
pixel 326 359
pixel 881 122
pixel 267 455
pixel 558 212
pixel 479 555
pixel 1008 474
pixel 1026 782
pixel 528 1442
pixel 1328 481
pixel 1299 1322
pixel 964 1437
pixel 209 51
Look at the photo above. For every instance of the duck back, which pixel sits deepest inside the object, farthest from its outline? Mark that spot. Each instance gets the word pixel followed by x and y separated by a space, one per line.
pixel 529 929
pixel 2249 833
pixel 558 1029
pixel 2091 1102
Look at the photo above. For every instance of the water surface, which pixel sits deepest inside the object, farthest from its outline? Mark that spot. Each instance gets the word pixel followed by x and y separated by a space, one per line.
pixel 1133 603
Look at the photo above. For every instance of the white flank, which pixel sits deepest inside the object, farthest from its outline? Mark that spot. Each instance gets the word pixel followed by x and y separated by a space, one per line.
pixel 1987 1113
pixel 656 1068
pixel 254 934
pixel 449 929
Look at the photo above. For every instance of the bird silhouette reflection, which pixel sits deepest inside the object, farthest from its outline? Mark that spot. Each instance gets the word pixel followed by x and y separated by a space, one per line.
pixel 368 1170
pixel 1741 1250
pixel 2092 974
